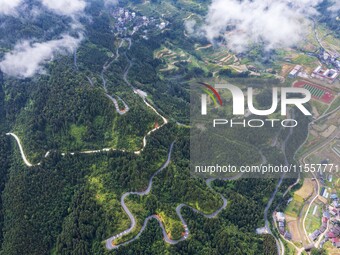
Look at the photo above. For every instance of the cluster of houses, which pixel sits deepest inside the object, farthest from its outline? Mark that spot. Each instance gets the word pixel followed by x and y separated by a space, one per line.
pixel 330 58
pixel 295 71
pixel 333 216
pixel 128 22
pixel 320 73
pixel 325 74
pixel 324 192
pixel 281 221
pixel 334 230
pixel 313 236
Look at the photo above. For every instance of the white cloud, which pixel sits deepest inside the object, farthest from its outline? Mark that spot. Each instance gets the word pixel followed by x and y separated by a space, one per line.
pixel 335 7
pixel 275 23
pixel 65 7
pixel 111 2
pixel 190 26
pixel 26 59
pixel 8 7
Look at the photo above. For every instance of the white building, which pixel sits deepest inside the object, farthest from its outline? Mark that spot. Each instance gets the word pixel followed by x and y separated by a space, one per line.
pixel 280 217
pixel 295 71
pixel 162 25
pixel 325 74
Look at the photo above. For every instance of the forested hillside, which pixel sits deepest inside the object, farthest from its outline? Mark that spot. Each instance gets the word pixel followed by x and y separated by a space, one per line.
pixel 86 154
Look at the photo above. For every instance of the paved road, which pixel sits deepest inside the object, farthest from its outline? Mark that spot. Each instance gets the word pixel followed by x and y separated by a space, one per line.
pixel 143 193
pixel 307 154
pixel 27 163
pixel 117 50
pixel 316 35
pixel 165 121
pixel 127 69
pixel 90 81
pixel 279 244
pixel 115 103
pixel 299 250
pixel 147 191
pixel 323 144
pixel 109 242
pixel 77 68
pixel 21 149
pixel 104 82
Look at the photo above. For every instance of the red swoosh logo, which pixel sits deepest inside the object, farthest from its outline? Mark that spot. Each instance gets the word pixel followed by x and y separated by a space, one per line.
pixel 214 91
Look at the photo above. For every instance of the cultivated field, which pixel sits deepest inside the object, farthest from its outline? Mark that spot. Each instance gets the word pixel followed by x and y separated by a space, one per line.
pixel 306 190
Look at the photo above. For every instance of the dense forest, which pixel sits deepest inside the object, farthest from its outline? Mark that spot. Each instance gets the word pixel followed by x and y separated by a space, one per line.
pixel 70 203
pixel 55 206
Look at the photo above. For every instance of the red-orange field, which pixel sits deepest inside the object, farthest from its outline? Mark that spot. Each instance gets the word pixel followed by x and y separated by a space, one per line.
pixel 318 92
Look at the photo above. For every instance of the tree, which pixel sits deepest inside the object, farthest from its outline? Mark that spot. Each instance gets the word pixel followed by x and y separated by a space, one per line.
pixel 316 251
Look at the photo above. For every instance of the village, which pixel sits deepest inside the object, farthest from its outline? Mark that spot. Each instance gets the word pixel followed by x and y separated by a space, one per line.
pixel 312 215
pixel 127 23
pixel 330 224
pixel 320 73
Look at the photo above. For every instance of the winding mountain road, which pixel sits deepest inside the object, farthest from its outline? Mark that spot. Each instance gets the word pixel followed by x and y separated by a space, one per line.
pixel 279 244
pixel 109 242
pixel 104 82
pixel 127 69
pixel 125 78
pixel 320 146
pixel 29 164
pixel 300 250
